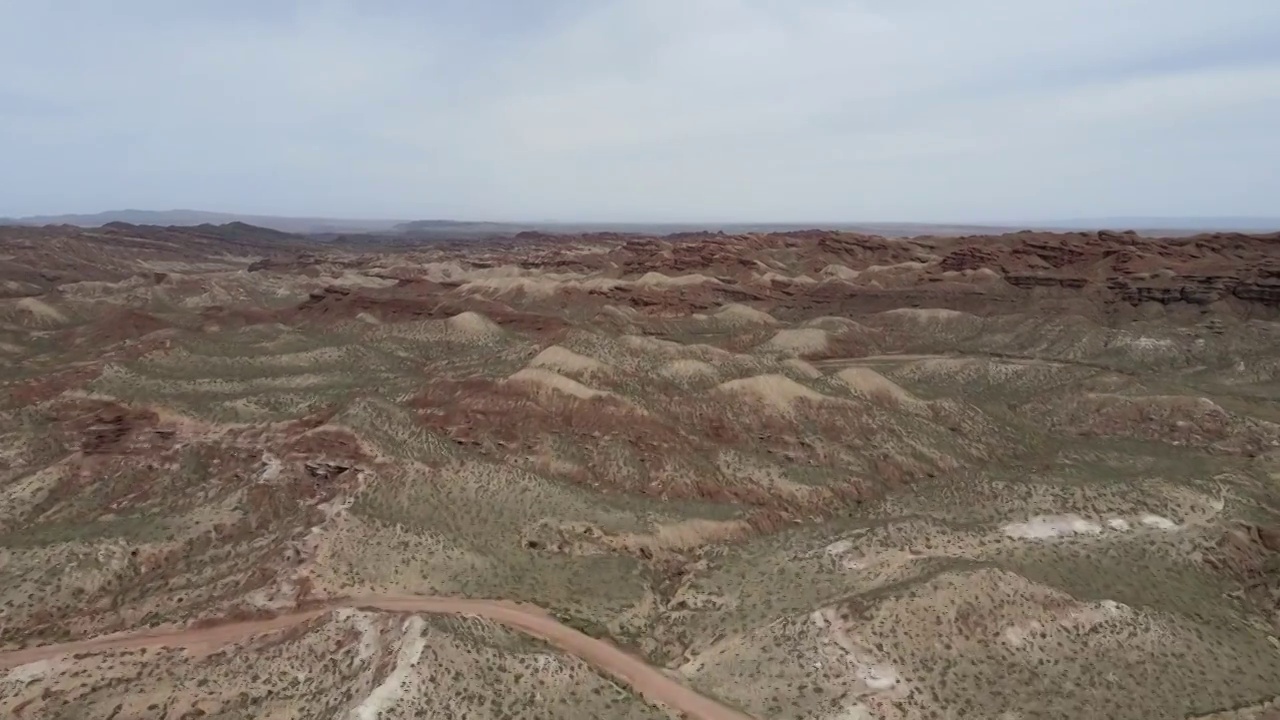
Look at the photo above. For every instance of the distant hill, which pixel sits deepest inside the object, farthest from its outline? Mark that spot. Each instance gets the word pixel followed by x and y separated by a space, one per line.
pixel 1145 225
pixel 233 231
pixel 456 228
pixel 1181 224
pixel 166 218
pixel 470 229
pixel 480 229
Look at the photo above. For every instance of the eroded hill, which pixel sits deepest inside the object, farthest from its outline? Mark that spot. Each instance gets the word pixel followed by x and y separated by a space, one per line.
pixel 810 474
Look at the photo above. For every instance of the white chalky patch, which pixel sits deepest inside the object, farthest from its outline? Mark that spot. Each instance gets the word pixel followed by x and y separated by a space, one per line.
pixel 1051 526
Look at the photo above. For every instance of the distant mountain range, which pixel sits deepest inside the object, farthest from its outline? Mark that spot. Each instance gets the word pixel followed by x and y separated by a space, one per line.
pixel 201 217
pixel 451 227
pixel 458 228
pixel 1195 224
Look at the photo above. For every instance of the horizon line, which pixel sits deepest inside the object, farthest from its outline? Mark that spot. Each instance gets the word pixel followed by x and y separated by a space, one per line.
pixel 1002 223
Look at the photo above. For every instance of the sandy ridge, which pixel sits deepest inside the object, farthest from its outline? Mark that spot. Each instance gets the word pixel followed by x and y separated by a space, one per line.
pixel 651 683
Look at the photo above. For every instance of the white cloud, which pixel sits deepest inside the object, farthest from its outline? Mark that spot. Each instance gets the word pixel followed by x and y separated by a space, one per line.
pixel 645 109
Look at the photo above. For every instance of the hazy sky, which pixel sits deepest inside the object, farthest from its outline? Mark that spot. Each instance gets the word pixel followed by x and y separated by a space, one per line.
pixel 758 110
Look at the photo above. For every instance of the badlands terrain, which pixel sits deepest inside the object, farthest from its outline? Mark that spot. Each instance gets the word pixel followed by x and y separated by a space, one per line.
pixel 819 475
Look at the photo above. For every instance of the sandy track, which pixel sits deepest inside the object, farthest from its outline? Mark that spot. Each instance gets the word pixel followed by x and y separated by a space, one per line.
pixel 651 683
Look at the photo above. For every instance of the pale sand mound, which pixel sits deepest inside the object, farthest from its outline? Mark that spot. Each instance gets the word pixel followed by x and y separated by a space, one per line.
pixel 772 277
pixel 473 325
pixel 840 272
pixel 923 314
pixel 658 346
pixel 548 380
pixel 562 359
pixel 356 280
pixel 15 288
pixel 833 324
pixel 803 341
pixel 622 313
pixel 41 310
pixel 869 383
pixel 907 266
pixel 658 280
pixel 687 369
pixel 802 368
pixel 778 391
pixel 495 286
pixel 648 343
pixel 739 314
pixel 537 285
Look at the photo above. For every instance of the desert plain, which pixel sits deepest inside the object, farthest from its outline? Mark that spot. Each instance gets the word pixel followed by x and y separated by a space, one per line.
pixel 818 475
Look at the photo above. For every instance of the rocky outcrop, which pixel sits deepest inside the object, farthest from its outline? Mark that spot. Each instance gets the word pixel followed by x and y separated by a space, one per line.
pixel 970 258
pixel 1028 282
pixel 841 272
pixel 1126 268
pixel 1261 292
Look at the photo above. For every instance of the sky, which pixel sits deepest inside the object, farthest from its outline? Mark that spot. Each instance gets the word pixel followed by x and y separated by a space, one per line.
pixel 643 110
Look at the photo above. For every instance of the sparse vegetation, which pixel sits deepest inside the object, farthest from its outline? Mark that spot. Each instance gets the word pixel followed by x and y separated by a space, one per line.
pixel 856 496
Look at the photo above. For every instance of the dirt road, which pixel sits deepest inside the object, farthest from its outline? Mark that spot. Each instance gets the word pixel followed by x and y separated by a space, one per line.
pixel 651 683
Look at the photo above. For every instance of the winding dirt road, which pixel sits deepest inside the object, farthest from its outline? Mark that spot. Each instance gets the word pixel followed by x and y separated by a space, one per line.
pixel 651 683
